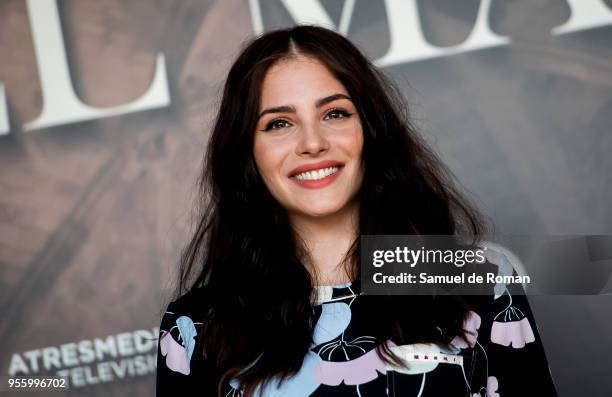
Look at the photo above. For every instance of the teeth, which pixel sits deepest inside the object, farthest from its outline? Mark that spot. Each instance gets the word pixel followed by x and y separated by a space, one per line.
pixel 317 174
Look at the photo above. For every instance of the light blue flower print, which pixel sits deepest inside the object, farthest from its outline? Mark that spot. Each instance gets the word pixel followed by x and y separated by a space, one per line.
pixel 187 331
pixel 334 319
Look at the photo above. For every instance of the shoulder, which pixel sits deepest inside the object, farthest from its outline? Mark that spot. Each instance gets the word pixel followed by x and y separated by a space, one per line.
pixel 501 329
pixel 192 304
pixel 180 330
pixel 182 364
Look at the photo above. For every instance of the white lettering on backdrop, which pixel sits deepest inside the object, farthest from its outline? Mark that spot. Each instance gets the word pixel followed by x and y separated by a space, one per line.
pixel 4 123
pixel 91 361
pixel 408 44
pixel 60 103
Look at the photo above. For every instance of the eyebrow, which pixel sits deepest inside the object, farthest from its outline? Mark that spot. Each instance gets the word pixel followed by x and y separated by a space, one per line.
pixel 291 109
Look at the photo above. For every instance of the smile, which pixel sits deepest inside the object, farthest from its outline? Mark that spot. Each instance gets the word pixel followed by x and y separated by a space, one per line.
pixel 318 178
pixel 316 175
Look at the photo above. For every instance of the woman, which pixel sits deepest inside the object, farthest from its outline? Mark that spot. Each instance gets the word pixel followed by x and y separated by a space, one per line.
pixel 311 149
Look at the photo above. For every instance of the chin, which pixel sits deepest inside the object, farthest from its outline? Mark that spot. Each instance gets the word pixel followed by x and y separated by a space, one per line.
pixel 320 214
pixel 321 211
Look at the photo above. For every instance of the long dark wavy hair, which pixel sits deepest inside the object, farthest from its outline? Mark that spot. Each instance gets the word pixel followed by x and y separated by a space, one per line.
pixel 244 257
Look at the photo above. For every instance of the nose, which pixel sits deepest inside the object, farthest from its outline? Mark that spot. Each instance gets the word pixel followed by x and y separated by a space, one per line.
pixel 312 140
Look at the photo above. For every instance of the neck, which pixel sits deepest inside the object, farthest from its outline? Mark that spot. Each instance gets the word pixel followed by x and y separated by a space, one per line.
pixel 327 241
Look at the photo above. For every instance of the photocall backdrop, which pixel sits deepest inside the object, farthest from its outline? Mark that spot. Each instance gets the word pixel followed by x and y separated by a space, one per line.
pixel 105 108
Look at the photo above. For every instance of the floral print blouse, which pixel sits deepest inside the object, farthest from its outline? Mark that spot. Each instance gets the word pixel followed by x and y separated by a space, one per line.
pixel 499 355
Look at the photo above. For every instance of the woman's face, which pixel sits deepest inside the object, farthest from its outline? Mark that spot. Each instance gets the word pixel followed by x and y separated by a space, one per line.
pixel 308 139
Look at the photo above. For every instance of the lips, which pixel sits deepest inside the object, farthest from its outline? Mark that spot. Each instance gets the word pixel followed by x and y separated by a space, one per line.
pixel 315 166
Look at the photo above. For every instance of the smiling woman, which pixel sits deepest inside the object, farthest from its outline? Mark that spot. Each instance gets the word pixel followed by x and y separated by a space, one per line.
pixel 310 150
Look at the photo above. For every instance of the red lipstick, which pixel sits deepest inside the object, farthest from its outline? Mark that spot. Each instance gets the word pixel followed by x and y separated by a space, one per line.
pixel 315 166
pixel 316 183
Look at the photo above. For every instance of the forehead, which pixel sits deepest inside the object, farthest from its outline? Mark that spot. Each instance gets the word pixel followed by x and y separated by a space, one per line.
pixel 291 80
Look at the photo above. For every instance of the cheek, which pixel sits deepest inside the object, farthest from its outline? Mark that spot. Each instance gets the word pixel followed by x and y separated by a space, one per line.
pixel 359 144
pixel 267 158
pixel 356 152
pixel 355 146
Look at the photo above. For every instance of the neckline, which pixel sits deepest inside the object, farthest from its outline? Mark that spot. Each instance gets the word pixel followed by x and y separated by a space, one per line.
pixel 330 293
pixel 343 285
pixel 353 282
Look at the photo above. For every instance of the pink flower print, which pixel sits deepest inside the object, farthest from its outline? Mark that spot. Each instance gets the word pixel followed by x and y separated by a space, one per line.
pixel 492 386
pixel 491 389
pixel 353 372
pixel 514 329
pixel 515 333
pixel 176 355
pixel 471 324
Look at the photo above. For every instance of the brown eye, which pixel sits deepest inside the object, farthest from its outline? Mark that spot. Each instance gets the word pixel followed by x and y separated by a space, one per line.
pixel 337 114
pixel 277 125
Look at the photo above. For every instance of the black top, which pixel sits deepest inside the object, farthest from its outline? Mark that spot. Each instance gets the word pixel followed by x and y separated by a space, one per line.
pixel 500 354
